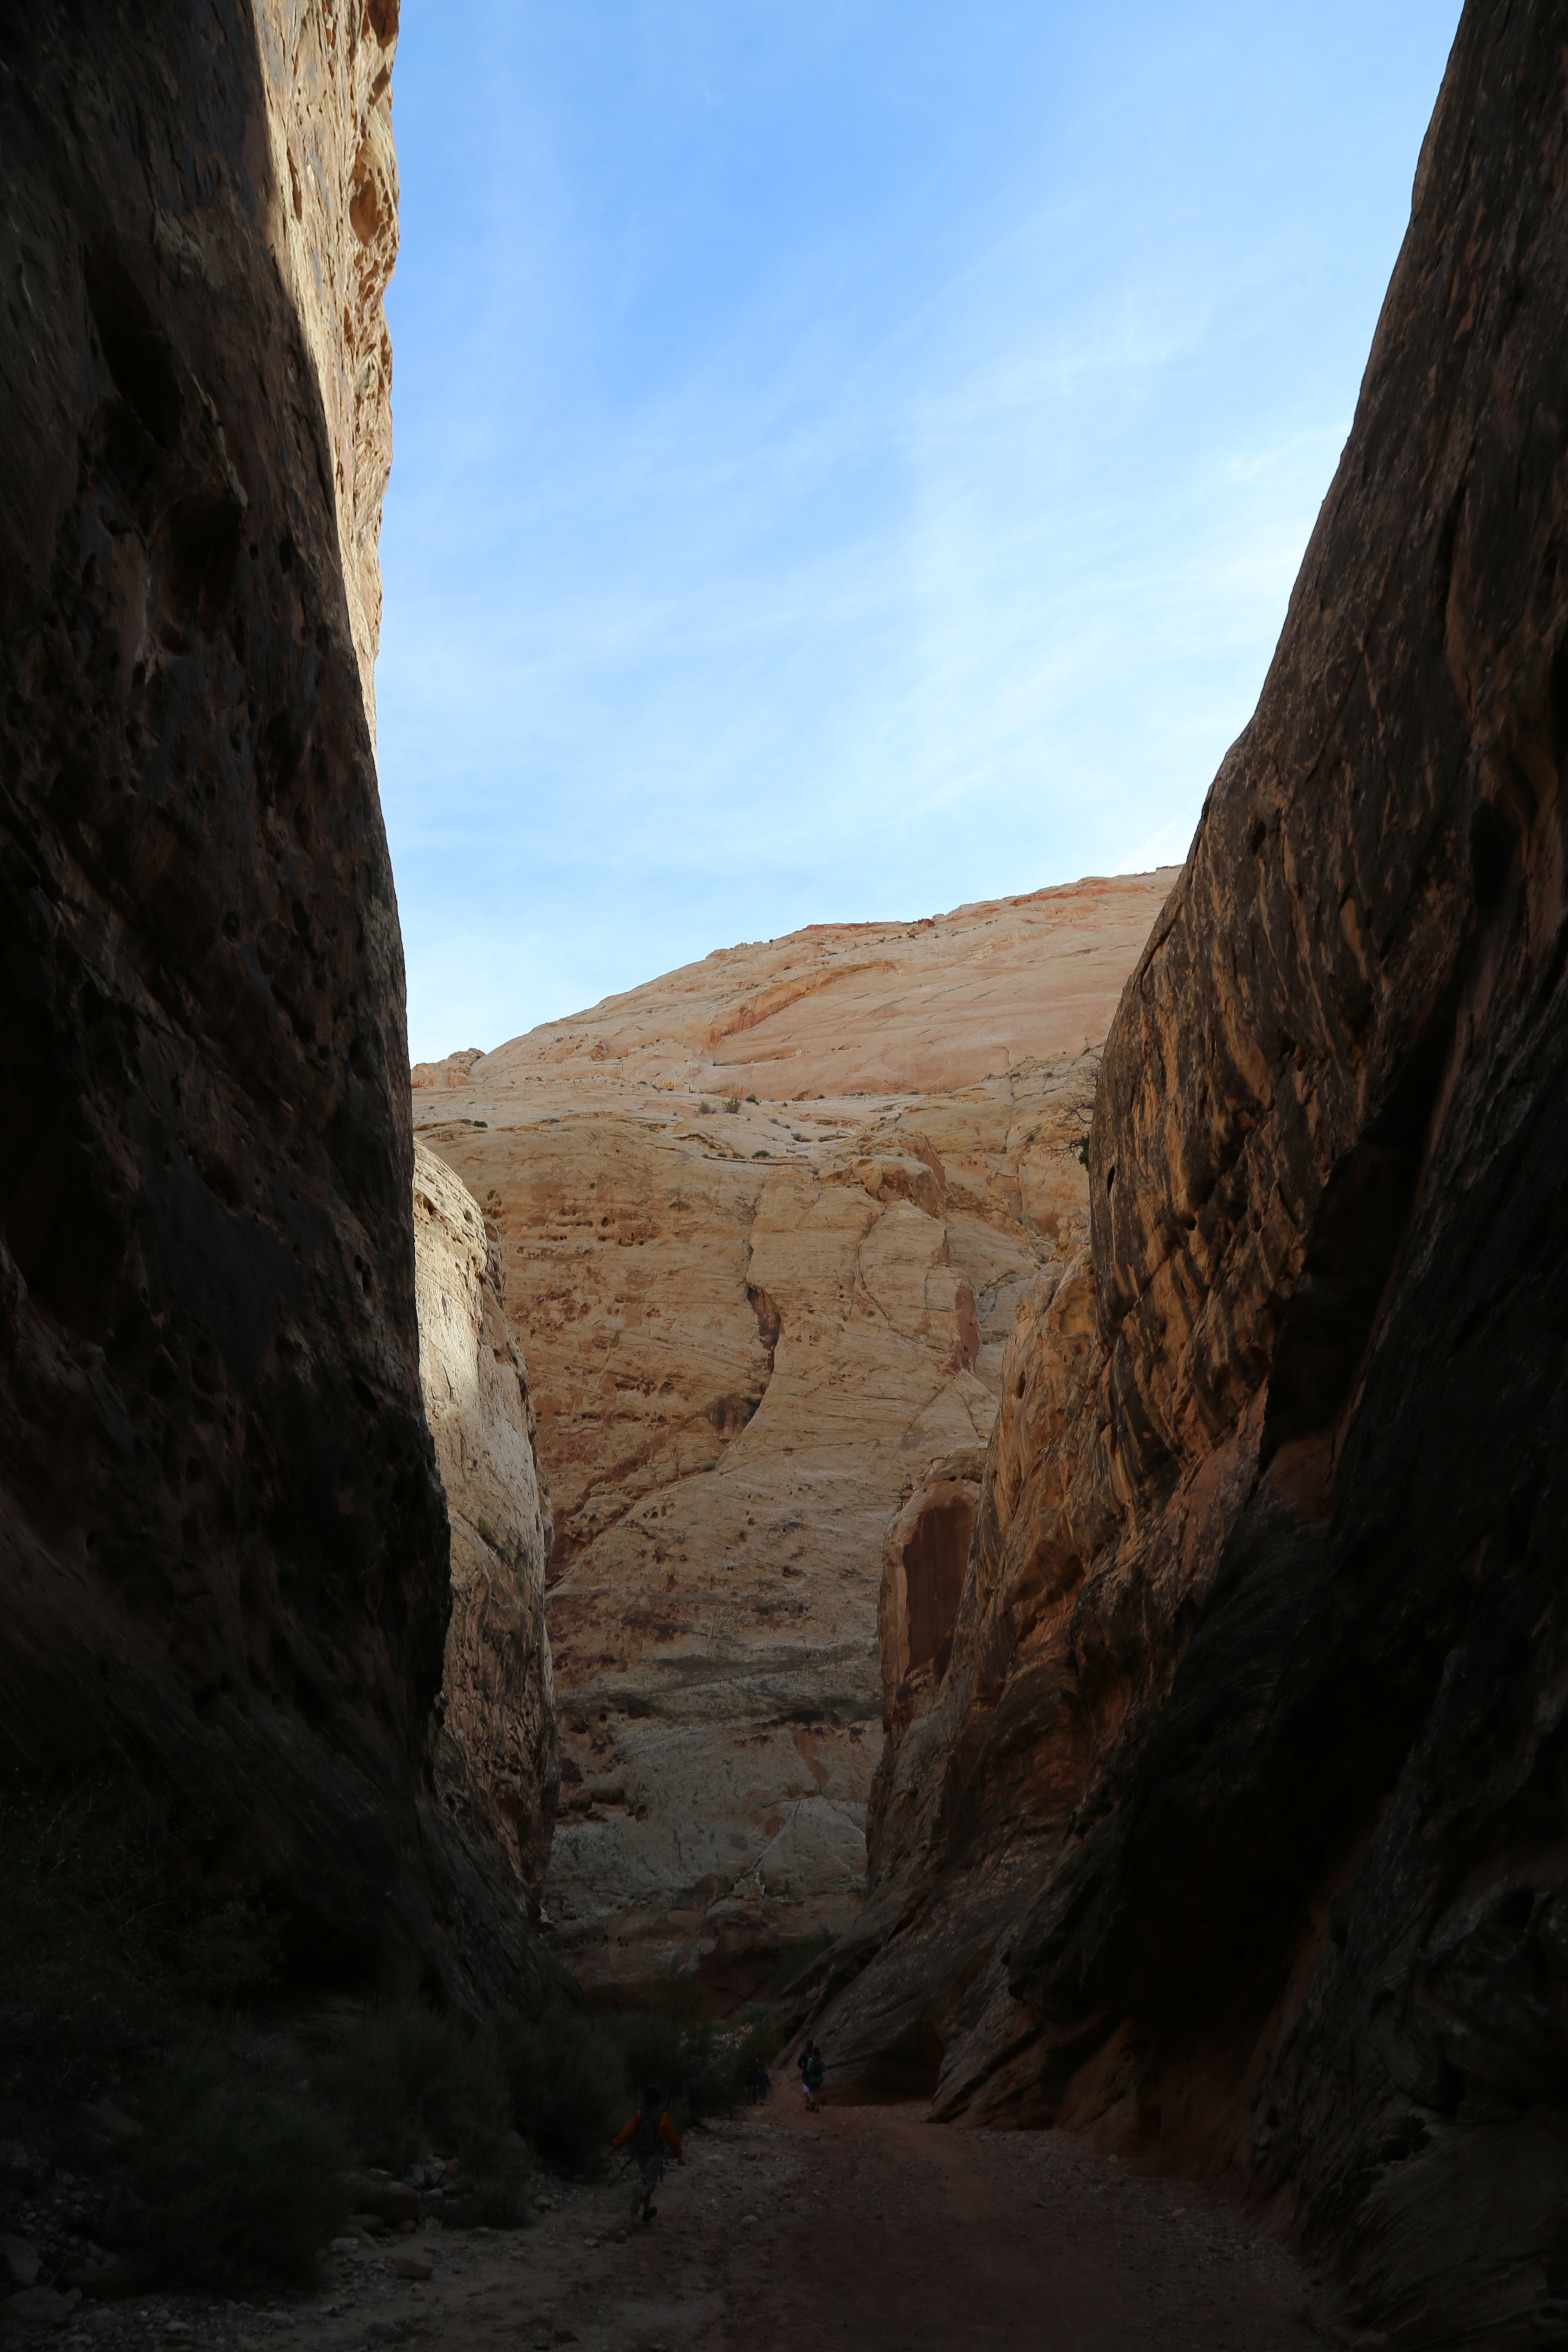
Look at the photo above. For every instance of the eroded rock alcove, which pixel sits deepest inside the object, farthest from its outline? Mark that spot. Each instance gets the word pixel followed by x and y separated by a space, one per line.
pixel 924 1554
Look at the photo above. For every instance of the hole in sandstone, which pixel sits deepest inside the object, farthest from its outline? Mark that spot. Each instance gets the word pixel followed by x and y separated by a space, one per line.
pixel 1351 1252
pixel 1492 845
pixel 933 1563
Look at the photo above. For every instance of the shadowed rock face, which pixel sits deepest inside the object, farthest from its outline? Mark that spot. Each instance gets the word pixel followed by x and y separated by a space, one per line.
pixel 497 1765
pixel 222 1538
pixel 1239 1827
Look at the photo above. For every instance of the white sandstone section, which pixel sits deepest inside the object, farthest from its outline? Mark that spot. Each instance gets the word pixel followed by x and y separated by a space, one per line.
pixel 496 1744
pixel 329 86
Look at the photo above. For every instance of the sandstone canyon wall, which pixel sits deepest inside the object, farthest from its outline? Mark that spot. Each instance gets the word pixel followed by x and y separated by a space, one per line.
pixel 754 1333
pixel 1238 1827
pixel 222 1536
pixel 495 1743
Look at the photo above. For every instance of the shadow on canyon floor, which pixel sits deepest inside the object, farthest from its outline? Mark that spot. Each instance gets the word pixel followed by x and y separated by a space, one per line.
pixel 858 2227
pixel 176 2112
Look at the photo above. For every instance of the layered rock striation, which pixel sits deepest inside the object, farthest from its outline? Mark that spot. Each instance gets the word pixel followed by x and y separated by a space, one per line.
pixel 223 1541
pixel 1238 1828
pixel 842 1009
pixel 496 1760
pixel 754 1332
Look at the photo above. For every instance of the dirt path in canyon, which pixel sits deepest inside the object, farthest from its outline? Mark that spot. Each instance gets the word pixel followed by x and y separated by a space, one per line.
pixel 862 2228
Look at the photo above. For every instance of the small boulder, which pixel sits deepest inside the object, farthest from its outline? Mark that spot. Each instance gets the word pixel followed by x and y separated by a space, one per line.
pixel 21 2260
pixel 121 2214
pixel 37 2308
pixel 112 2123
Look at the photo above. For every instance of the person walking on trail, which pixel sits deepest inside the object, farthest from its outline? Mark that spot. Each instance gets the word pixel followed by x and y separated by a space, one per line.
pixel 812 2067
pixel 650 2132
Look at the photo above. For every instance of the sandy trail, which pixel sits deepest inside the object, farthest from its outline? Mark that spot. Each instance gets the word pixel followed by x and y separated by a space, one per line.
pixel 862 2227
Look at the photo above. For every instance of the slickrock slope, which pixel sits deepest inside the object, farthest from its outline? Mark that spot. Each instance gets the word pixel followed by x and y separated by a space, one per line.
pixel 854 1008
pixel 496 1752
pixel 1240 1824
pixel 223 1543
pixel 751 1336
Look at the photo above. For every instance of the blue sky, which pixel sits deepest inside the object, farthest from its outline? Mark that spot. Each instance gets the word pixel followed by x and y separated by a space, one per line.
pixel 851 456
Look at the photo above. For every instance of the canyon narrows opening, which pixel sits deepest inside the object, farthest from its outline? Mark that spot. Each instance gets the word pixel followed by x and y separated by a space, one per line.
pixel 759 1325
pixel 987 1490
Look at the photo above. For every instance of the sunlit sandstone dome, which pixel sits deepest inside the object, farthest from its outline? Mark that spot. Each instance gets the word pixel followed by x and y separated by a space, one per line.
pixel 756 1331
pixel 855 1008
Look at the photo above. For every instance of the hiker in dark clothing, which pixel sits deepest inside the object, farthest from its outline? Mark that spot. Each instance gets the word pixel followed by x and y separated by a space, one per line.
pixel 650 2132
pixel 812 2066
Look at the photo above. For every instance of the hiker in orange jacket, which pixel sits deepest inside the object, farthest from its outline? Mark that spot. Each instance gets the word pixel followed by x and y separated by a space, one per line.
pixel 650 2132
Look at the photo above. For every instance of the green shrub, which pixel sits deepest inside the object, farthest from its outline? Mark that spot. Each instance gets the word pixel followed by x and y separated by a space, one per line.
pixel 794 1958
pixel 651 2050
pixel 574 2078
pixel 700 2067
pixel 230 1954
pixel 754 2049
pixel 244 2180
pixel 496 2199
pixel 99 1926
pixel 407 2080
pixel 565 2078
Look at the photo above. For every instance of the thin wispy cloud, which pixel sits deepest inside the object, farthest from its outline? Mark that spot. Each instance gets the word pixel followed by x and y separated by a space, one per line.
pixel 850 459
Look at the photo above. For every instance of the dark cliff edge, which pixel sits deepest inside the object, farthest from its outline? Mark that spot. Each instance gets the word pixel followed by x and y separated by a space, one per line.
pixel 223 1541
pixel 1238 1831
